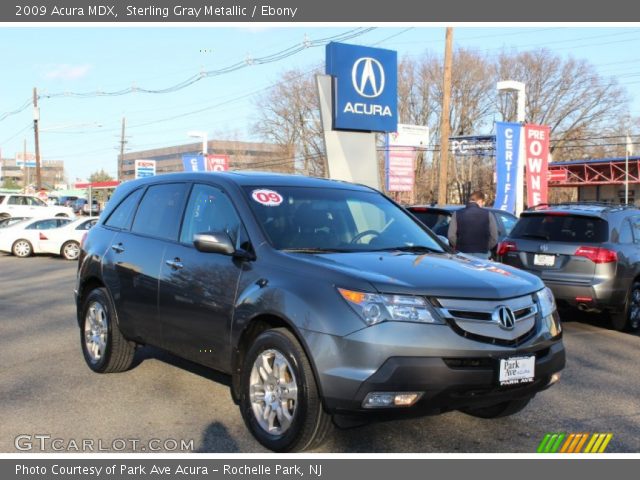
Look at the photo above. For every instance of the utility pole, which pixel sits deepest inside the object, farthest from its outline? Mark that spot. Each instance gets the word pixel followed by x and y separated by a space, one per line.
pixel 123 141
pixel 25 166
pixel 36 119
pixel 444 120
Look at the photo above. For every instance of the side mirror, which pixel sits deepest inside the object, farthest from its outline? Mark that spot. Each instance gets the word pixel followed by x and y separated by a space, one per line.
pixel 214 242
pixel 443 239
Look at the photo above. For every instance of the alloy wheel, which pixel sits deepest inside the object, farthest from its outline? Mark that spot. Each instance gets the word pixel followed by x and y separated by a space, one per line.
pixel 273 392
pixel 95 331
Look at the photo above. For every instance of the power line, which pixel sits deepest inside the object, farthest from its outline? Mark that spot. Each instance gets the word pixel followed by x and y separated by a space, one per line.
pixel 275 57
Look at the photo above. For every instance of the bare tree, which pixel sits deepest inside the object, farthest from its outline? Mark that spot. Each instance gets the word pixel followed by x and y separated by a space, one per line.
pixel 579 105
pixel 566 94
pixel 289 115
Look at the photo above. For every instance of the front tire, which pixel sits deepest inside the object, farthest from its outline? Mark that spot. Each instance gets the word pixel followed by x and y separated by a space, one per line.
pixel 22 248
pixel 279 397
pixel 629 317
pixel 104 347
pixel 503 409
pixel 70 250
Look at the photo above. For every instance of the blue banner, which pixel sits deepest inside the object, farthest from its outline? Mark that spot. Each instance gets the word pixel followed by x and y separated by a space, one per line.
pixel 193 162
pixel 365 88
pixel 507 161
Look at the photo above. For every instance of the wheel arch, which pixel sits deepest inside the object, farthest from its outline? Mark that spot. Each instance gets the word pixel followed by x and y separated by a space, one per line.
pixel 253 328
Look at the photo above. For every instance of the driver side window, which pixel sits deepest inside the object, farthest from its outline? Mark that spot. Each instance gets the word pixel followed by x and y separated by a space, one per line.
pixel 210 210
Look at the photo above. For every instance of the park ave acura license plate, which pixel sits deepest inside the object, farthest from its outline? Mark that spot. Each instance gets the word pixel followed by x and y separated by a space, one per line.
pixel 516 370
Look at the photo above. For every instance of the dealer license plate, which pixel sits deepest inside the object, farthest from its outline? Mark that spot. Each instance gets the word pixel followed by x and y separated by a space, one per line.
pixel 544 260
pixel 516 370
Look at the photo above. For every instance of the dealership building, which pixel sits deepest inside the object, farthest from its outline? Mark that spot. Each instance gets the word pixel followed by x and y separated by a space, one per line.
pixel 242 156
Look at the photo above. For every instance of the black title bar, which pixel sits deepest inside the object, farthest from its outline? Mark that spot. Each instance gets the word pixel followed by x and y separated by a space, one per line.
pixel 409 11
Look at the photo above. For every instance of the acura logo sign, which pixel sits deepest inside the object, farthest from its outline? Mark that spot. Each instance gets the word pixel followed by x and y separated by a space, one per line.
pixel 367 76
pixel 504 317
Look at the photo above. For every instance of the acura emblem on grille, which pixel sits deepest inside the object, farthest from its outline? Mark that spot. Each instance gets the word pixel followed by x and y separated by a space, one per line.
pixel 504 317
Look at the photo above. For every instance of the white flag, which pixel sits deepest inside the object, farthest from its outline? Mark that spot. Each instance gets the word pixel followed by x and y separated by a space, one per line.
pixel 629 146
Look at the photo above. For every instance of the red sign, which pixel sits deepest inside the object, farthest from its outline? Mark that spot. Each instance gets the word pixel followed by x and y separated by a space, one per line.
pixel 400 169
pixel 217 163
pixel 536 139
pixel 558 175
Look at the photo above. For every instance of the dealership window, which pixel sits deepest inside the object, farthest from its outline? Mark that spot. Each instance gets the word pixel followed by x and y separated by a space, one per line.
pixel 160 211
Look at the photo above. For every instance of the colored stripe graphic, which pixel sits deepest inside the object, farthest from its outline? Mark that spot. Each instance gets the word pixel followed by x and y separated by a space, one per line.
pixel 574 443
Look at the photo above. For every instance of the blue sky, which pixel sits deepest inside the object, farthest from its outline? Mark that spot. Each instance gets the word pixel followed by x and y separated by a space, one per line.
pixel 84 132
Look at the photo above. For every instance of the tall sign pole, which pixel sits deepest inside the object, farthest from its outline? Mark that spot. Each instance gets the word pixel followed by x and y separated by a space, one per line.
pixel 444 119
pixel 36 119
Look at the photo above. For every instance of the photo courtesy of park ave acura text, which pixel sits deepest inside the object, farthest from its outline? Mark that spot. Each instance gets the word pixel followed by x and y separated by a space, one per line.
pixel 359 238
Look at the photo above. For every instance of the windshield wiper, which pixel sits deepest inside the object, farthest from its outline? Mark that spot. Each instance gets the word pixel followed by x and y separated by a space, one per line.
pixel 410 248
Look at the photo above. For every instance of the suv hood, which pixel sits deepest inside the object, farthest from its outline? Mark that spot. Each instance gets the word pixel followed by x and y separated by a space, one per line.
pixel 445 275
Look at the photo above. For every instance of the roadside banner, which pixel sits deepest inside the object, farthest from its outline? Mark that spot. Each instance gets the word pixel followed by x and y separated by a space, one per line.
pixel 507 163
pixel 193 162
pixel 400 169
pixel 536 155
pixel 217 163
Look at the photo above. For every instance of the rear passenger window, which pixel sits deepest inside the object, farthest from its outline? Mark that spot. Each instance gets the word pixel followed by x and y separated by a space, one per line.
pixel 160 211
pixel 122 215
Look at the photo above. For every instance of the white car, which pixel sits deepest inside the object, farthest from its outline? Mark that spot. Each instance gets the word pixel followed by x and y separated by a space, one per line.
pixel 23 238
pixel 18 205
pixel 65 240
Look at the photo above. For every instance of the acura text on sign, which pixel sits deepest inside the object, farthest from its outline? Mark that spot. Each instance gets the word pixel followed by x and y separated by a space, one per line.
pixel 365 93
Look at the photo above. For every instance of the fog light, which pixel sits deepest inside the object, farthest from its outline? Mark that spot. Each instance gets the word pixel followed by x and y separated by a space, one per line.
pixel 555 378
pixel 391 399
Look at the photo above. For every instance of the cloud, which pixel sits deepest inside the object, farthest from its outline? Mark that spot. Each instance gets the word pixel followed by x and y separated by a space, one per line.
pixel 66 71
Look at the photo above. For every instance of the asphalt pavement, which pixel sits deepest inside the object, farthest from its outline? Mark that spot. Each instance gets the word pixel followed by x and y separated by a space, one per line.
pixel 47 392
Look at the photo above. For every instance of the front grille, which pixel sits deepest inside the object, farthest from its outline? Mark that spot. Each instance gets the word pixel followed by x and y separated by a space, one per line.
pixel 477 319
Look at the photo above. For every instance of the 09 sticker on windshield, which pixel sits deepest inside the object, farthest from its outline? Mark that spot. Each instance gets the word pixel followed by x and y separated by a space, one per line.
pixel 269 198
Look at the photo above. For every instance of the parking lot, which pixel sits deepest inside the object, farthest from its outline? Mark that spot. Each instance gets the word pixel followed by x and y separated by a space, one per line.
pixel 48 390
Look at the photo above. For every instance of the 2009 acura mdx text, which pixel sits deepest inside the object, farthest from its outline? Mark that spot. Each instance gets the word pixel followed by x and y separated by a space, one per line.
pixel 323 300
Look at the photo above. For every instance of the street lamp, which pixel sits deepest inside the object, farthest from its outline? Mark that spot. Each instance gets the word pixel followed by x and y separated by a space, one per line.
pixel 203 136
pixel 519 88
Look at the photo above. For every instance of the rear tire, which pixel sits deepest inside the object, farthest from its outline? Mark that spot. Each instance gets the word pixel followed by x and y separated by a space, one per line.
pixel 503 409
pixel 279 418
pixel 104 347
pixel 22 248
pixel 629 317
pixel 70 250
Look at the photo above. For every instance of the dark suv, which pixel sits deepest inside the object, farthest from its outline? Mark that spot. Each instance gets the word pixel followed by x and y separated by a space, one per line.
pixel 320 298
pixel 587 253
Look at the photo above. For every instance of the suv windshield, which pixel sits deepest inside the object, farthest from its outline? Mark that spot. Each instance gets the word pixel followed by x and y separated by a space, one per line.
pixel 315 219
pixel 559 227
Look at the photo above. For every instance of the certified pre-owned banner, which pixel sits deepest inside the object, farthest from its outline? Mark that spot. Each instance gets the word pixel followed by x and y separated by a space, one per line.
pixel 507 159
pixel 536 153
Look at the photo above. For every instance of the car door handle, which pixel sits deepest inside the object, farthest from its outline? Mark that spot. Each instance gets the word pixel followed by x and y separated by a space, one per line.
pixel 176 264
pixel 117 248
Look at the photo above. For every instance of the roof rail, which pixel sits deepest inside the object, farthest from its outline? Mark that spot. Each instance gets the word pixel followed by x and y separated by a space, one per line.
pixel 589 203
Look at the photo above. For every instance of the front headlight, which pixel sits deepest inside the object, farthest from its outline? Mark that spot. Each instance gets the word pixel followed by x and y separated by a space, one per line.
pixel 547 301
pixel 375 308
pixel 547 310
